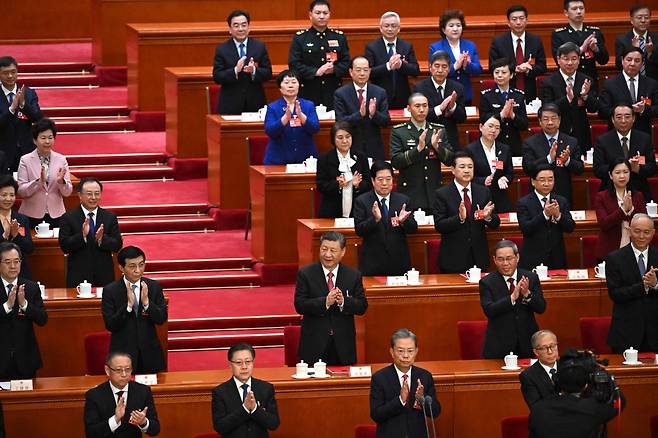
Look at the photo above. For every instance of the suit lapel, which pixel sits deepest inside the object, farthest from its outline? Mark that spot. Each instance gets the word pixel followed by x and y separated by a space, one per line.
pixel 324 288
pixel 621 83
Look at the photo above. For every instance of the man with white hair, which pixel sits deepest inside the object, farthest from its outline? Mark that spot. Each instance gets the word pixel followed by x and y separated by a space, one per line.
pixel 392 61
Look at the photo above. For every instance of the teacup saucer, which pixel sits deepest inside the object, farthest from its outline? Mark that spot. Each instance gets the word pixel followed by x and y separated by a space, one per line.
pixel 86 296
pixel 414 283
pixel 544 278
pixel 320 376
pixel 602 277
pixel 473 281
pixel 505 367
pixel 48 235
pixel 632 363
pixel 295 376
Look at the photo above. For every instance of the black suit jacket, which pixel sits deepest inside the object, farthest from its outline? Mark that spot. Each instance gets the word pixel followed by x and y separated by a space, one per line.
pixel 231 420
pixel 100 406
pixel 502 46
pixel 535 151
pixel 310 298
pixel 536 384
pixel 17 328
pixel 615 90
pixel 331 205
pixel 245 92
pixel 135 334
pixel 384 249
pixel 396 83
pixel 15 129
pixel 24 242
pixel 395 420
pixel 366 131
pixel 573 115
pixel 633 310
pixel 492 102
pixel 543 240
pixel 608 148
pixel 625 41
pixel 89 260
pixel 482 170
pixel 509 325
pixel 461 242
pixel 451 119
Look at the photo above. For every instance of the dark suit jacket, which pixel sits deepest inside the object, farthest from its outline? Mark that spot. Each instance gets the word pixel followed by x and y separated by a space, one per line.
pixel 229 417
pixel 24 242
pixel 366 131
pixel 310 298
pixel 461 241
pixel 610 217
pixel 449 120
pixel 492 102
pixel 331 205
pixel 633 310
pixel 536 384
pixel 15 129
pixel 543 240
pixel 100 406
pixel 243 93
pixel 608 148
pixel 509 325
pixel 135 334
pixel 384 249
pixel 615 90
pixel 625 41
pixel 89 260
pixel 396 83
pixel 502 46
pixel 393 419
pixel 573 115
pixel 535 150
pixel 17 328
pixel 482 169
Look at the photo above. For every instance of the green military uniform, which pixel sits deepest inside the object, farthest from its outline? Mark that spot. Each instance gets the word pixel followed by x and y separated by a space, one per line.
pixel 310 49
pixel 588 59
pixel 420 172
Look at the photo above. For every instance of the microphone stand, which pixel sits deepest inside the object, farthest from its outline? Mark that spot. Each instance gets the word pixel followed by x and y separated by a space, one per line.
pixel 421 400
pixel 428 399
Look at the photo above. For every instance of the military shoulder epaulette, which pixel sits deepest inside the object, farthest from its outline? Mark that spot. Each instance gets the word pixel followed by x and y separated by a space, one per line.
pixel 399 125
pixel 486 91
pixel 337 31
pixel 520 91
pixel 593 27
pixel 560 29
pixel 435 125
pixel 299 32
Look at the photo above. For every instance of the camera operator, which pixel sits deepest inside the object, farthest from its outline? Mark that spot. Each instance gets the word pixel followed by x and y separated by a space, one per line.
pixel 588 398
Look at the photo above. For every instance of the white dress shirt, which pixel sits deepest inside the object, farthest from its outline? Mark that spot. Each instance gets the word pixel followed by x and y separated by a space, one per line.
pixel 515 38
pixel 240 392
pixel 114 425
pixel 14 288
pixel 401 380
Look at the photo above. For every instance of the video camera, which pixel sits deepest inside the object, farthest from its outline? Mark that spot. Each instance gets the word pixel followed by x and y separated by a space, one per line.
pixel 601 384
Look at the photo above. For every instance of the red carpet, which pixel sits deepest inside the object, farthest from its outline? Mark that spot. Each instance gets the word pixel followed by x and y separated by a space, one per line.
pixel 82 97
pixel 69 52
pixel 111 143
pixel 271 357
pixel 194 191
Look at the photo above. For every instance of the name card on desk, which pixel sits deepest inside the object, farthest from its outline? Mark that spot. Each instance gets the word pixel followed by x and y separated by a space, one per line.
pixel 471 111
pixel 512 217
pixel 146 379
pixel 365 371
pixel 396 280
pixel 20 385
pixel 517 161
pixel 296 168
pixel 250 117
pixel 344 222
pixel 577 274
pixel 578 215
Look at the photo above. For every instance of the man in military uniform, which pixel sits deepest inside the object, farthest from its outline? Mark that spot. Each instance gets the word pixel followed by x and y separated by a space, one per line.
pixel 418 148
pixel 588 38
pixel 320 56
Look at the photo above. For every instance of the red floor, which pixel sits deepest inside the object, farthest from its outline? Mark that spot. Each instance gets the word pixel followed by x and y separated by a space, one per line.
pixel 110 143
pixel 71 52
pixel 156 192
pixel 82 97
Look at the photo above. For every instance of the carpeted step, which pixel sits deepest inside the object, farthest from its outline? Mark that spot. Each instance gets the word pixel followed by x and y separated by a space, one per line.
pixel 59 79
pixel 207 279
pixel 95 123
pixel 200 340
pixel 233 322
pixel 124 172
pixel 199 360
pixel 86 111
pixel 159 224
pixel 108 159
pixel 230 263
pixel 84 97
pixel 52 67
pixel 156 209
pixel 97 143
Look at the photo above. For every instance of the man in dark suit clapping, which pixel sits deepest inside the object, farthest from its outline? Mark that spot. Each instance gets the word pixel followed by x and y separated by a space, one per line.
pixel 640 36
pixel 328 295
pixel 243 406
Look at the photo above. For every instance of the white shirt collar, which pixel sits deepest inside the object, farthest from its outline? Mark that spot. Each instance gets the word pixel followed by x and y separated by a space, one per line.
pixel 628 136
pixel 436 85
pixel 326 272
pixel 460 189
pixel 626 77
pixel 239 385
pixel 419 127
pixel 138 284
pixel 365 89
pixel 237 44
pixel 7 91
pixel 115 389
pixel 566 76
pixel 388 199
pixel 540 196
pixel 5 282
pixel 515 37
pixel 644 35
pixel 547 368
pixel 637 253
pixel 506 277
pixel 395 43
pixel 400 373
pixel 86 212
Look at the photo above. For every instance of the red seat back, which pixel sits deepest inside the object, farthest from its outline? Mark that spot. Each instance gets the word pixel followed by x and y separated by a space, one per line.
pixel 538 81
pixel 291 335
pixel 486 84
pixel 365 431
pixel 471 338
pixel 598 130
pixel 534 130
pixel 472 135
pixel 207 435
pixel 653 425
pixel 97 345
pixel 588 251
pixel 523 186
pixel 653 188
pixel 593 333
pixel 518 241
pixel 432 256
pixel 317 199
pixel 256 146
pixel 212 98
pixel 593 185
pixel 514 427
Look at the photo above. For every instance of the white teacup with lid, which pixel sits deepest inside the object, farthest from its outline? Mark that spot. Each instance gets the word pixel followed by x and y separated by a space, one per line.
pixel 301 369
pixel 320 368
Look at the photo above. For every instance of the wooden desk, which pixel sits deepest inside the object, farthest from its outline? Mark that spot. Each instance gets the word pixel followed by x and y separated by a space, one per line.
pixel 464 388
pixel 70 319
pixel 310 230
pixel 47 262
pixel 432 309
pixel 150 47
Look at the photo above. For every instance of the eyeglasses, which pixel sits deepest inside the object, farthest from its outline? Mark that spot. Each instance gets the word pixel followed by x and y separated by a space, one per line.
pixel 547 348
pixel 401 351
pixel 126 370
pixel 242 363
pixel 505 259
pixel 14 262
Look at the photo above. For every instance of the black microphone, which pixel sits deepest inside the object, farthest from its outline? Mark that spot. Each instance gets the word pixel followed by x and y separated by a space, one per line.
pixel 428 399
pixel 421 400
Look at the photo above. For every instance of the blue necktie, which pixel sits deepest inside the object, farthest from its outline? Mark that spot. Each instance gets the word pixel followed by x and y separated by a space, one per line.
pixel 644 56
pixel 641 266
pixel 136 307
pixel 11 97
pixel 244 391
pixel 92 226
pixel 394 73
pixel 504 93
pixel 242 52
pixel 384 210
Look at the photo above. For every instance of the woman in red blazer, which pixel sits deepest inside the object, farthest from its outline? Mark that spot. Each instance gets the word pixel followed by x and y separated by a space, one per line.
pixel 615 208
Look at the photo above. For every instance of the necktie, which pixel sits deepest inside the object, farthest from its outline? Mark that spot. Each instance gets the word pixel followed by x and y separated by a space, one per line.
pixel 544 200
pixel 644 54
pixel 570 80
pixel 11 97
pixel 119 394
pixel 330 281
pixel 641 265
pixel 394 73
pixel 92 226
pixel 631 88
pixel 242 52
pixel 244 391
pixel 551 141
pixel 439 90
pixel 136 306
pixel 512 287
pixel 384 210
pixel 391 52
pixel 553 371
pixel 10 287
pixel 504 94
pixel 360 91
pixel 467 203
pixel 624 146
pixel 520 77
pixel 404 381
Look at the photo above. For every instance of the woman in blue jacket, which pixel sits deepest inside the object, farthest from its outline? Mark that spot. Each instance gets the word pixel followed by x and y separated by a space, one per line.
pixel 290 123
pixel 463 53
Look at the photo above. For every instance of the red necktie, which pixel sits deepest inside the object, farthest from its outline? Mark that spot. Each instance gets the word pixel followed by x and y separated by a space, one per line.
pixel 404 383
pixel 467 203
pixel 511 285
pixel 520 77
pixel 330 281
pixel 360 91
